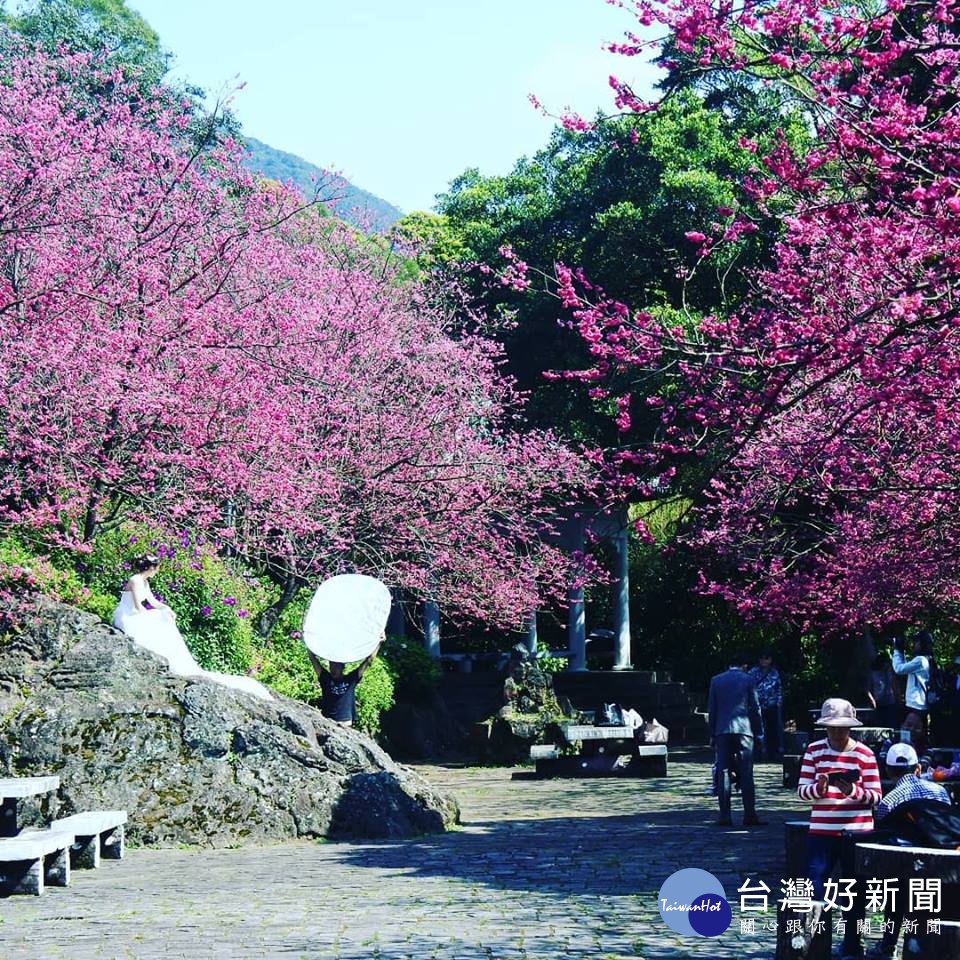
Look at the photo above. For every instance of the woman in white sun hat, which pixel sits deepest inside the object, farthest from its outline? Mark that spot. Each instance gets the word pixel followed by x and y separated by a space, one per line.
pixel 840 776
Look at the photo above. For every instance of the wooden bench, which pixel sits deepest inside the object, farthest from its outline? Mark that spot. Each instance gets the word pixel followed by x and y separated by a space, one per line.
pixel 33 858
pixel 98 833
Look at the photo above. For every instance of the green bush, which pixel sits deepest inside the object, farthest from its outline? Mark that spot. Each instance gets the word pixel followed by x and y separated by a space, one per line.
pixel 374 696
pixel 284 664
pixel 214 602
pixel 415 673
pixel 26 567
pixel 547 663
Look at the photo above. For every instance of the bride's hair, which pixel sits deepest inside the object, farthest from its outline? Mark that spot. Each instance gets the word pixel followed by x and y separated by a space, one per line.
pixel 148 560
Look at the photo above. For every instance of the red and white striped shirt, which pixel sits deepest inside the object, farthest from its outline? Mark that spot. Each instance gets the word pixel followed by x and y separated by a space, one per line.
pixel 835 813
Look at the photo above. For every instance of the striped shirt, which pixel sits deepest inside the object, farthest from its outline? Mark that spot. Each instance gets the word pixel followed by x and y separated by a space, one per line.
pixel 835 813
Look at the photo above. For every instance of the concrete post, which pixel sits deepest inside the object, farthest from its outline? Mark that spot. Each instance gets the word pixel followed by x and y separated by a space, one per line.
pixel 431 628
pixel 576 630
pixel 622 604
pixel 532 632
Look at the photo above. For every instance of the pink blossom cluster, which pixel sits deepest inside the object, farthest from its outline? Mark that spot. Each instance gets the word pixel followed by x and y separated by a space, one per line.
pixel 183 344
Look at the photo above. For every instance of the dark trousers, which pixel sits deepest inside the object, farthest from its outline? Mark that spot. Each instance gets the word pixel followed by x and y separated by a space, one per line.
pixel 735 750
pixel 823 854
pixel 771 747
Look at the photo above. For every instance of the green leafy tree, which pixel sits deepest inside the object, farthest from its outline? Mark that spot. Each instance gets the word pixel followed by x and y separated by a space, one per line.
pixel 619 200
pixel 96 26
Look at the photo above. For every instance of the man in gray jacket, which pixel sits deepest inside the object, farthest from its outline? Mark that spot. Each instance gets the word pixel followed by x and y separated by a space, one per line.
pixel 734 722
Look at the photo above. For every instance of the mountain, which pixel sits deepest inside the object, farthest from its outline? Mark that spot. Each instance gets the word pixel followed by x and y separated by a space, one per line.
pixel 364 210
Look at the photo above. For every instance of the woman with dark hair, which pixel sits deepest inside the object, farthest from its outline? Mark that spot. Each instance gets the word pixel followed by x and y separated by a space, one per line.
pixel 917 671
pixel 153 625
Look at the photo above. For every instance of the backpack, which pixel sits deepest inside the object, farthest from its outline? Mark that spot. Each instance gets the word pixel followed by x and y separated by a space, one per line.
pixel 925 823
pixel 935 688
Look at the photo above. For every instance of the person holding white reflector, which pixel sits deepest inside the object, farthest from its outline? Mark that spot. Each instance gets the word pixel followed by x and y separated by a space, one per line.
pixel 345 624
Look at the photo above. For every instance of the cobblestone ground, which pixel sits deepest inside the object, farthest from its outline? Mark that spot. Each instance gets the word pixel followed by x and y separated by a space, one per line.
pixel 541 870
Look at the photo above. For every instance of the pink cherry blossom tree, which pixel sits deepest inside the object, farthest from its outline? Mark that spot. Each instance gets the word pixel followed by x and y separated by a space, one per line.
pixel 182 344
pixel 823 409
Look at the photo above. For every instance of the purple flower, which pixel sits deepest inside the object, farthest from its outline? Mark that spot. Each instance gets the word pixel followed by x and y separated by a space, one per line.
pixel 205 611
pixel 230 601
pixel 242 613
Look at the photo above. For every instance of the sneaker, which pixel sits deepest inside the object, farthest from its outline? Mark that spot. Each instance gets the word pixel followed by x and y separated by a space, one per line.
pixel 754 822
pixel 724 822
pixel 880 951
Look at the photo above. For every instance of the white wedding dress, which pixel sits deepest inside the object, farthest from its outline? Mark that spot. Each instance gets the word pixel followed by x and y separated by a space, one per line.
pixel 156 630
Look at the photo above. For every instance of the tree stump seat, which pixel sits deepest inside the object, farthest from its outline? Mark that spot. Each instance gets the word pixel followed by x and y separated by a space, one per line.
pixel 791 770
pixel 880 861
pixel 803 934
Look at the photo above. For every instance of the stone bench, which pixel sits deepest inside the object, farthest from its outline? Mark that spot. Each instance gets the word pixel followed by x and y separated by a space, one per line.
pixel 98 833
pixel 35 857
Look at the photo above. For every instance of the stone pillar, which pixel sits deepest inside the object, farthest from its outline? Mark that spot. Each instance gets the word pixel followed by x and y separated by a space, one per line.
pixel 431 628
pixel 576 615
pixel 622 602
pixel 576 630
pixel 532 632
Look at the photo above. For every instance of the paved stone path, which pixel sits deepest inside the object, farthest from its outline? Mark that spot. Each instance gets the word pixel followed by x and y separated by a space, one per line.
pixel 541 870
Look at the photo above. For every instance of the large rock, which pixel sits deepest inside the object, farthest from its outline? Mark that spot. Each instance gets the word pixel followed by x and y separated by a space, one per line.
pixel 191 761
pixel 530 714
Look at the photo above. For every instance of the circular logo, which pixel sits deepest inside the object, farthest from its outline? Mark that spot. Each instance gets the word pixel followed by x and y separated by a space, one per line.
pixel 693 902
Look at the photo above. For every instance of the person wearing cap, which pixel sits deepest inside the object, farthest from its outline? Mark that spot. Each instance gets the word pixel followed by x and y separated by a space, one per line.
pixel 840 776
pixel 903 767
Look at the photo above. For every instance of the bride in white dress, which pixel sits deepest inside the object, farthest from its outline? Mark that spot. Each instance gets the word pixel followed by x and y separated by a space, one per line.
pixel 153 626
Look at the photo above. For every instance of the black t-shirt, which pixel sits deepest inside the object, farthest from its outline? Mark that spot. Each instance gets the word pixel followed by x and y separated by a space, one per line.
pixel 339 695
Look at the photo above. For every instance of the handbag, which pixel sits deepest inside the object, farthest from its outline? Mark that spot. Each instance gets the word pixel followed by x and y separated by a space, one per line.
pixel 654 732
pixel 609 715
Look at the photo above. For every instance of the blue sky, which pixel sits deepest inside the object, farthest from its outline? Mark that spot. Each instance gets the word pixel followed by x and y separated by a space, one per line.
pixel 399 97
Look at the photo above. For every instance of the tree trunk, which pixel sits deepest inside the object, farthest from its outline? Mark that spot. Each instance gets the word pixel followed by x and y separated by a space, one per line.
pixel 852 659
pixel 290 583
